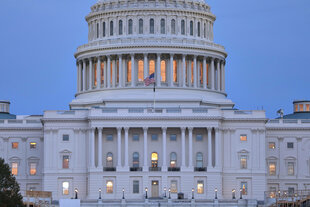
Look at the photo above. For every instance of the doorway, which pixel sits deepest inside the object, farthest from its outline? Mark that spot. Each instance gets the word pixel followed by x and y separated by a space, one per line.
pixel 155 189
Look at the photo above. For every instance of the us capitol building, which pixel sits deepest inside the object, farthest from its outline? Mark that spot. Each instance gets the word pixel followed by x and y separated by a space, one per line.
pixel 124 144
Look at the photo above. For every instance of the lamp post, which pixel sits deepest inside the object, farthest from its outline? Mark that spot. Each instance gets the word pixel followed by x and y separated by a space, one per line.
pixel 233 194
pixel 165 190
pixel 123 194
pixel 193 193
pixel 169 193
pixel 76 193
pixel 145 192
pixel 99 193
pixel 240 193
pixel 215 191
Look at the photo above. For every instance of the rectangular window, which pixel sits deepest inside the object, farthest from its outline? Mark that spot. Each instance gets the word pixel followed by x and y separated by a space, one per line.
pixel 65 137
pixel 244 188
pixel 198 137
pixel 33 168
pixel 290 145
pixel 14 145
pixel 135 186
pixel 109 187
pixel 174 186
pixel 173 137
pixel 154 137
pixel 272 145
pixel 243 162
pixel 291 191
pixel 307 107
pixel 33 145
pixel 243 137
pixel 290 168
pixel 301 107
pixel 135 137
pixel 14 168
pixel 65 188
pixel 109 137
pixel 103 29
pixel 273 191
pixel 272 168
pixel 65 161
pixel 200 187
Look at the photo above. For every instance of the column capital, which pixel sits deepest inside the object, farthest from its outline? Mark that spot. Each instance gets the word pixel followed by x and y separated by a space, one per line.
pixel 99 128
pixel 204 58
pixel 119 129
pixel 183 55
pixel 172 54
pixel 280 139
pixel 126 129
pixel 92 129
pixel 164 129
pixel 90 58
pixel 145 128
pixel 183 129
pixel 158 54
pixel 132 54
pixel 209 128
pixel 299 139
pixel 145 54
pixel 190 129
pixel 195 56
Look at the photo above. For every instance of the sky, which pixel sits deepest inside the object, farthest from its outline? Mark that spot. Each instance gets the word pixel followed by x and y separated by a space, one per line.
pixel 267 44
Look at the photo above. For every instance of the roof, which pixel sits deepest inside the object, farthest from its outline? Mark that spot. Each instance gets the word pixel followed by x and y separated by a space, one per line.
pixel 7 116
pixel 297 115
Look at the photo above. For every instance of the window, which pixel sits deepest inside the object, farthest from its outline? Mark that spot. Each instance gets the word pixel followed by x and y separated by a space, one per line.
pixel 65 188
pixel 198 137
pixel 111 28
pixel 14 168
pixel 140 26
pixel 307 107
pixel 130 26
pixel 120 27
pixel 243 137
pixel 154 137
pixel 204 30
pixel 173 159
pixel 301 107
pixel 65 161
pixel 135 159
pixel 199 159
pixel 109 160
pixel 14 145
pixel 272 168
pixel 296 107
pixel 198 29
pixel 103 29
pixel 290 191
pixel 290 168
pixel 191 28
pixel 172 26
pixel 140 70
pixel 97 30
pixel 183 27
pixel 200 187
pixel 173 137
pixel 162 26
pixel 272 145
pixel 152 67
pixel 33 145
pixel 154 159
pixel 290 145
pixel 175 71
pixel 135 137
pixel 65 137
pixel 244 188
pixel 135 186
pixel 243 162
pixel 151 26
pixel 109 137
pixel 129 71
pixel 33 168
pixel 163 70
pixel 109 187
pixel 174 186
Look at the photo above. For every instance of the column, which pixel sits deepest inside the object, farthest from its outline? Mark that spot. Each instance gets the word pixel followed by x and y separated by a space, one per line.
pixel 98 72
pixel 164 133
pixel 113 72
pixel 209 147
pixel 158 78
pixel 212 74
pixel 195 71
pixel 217 148
pixel 223 76
pixel 100 148
pixel 120 71
pixel 79 76
pixel 119 147
pixel 84 75
pixel 298 165
pixel 171 71
pixel 183 147
pixel 126 147
pixel 145 166
pixel 183 71
pixel 133 78
pixel 145 66
pixel 108 67
pixel 190 147
pixel 92 147
pixel 204 72
pixel 218 75
pixel 90 78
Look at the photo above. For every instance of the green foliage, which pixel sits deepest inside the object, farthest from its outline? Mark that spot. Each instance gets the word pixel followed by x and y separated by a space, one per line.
pixel 9 188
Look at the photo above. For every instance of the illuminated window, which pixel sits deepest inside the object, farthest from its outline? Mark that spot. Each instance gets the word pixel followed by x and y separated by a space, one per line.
pixel 199 159
pixel 103 29
pixel 199 137
pixel 135 137
pixel 173 137
pixel 183 27
pixel 307 107
pixel 163 70
pixel 109 137
pixel 14 168
pixel 272 145
pixel 273 191
pixel 109 187
pixel 14 145
pixel 111 28
pixel 65 137
pixel 111 72
pixel 198 29
pixel 130 26
pixel 172 26
pixel 140 26
pixel 244 188
pixel 154 137
pixel 162 26
pixel 95 74
pixel 243 137
pixel 192 72
pixel 140 70
pixel 135 159
pixel 301 107
pixel 135 186
pixel 120 27
pixel 102 73
pixel 65 161
pixel 290 168
pixel 151 26
pixel 173 159
pixel 243 162
pixel 191 28
pixel 201 73
pixel 65 188
pixel 174 186
pixel 33 168
pixel 154 159
pixel 175 71
pixel 109 161
pixel 296 107
pixel 290 145
pixel 200 187
pixel 272 168
pixel 152 66
pixel 129 71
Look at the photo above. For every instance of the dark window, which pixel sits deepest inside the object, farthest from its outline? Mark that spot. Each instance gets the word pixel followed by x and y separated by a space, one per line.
pixel 97 30
pixel 65 137
pixel 135 186
pixel 173 137
pixel 130 26
pixel 154 137
pixel 151 26
pixel 173 26
pixel 183 27
pixel 191 28
pixel 109 137
pixel 199 160
pixel 162 26
pixel 120 27
pixel 198 25
pixel 290 145
pixel 103 29
pixel 199 137
pixel 111 28
pixel 135 137
pixel 140 26
pixel 135 159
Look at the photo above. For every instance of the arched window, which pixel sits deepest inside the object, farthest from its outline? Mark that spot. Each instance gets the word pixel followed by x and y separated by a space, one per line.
pixel 204 30
pixel 191 28
pixel 103 29
pixel 172 26
pixel 102 73
pixel 97 30
pixel 163 70
pixel 130 26
pixel 173 159
pixel 183 27
pixel 151 26
pixel 175 71
pixel 152 66
pixel 140 70
pixel 109 159
pixel 201 73
pixel 135 159
pixel 120 27
pixel 162 26
pixel 140 26
pixel 154 159
pixel 129 71
pixel 199 159
pixel 111 28
pixel 198 29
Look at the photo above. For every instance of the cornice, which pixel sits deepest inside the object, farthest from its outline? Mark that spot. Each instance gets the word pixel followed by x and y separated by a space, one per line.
pixel 287 128
pixel 22 128
pixel 93 118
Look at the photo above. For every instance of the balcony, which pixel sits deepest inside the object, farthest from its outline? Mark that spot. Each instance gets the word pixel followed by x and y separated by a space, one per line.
pixel 200 169
pixel 136 169
pixel 109 169
pixel 173 169
pixel 154 168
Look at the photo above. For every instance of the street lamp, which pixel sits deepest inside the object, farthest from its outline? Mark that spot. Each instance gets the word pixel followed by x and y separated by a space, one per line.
pixel 215 191
pixel 76 193
pixel 99 193
pixel 145 192
pixel 233 194
pixel 240 193
pixel 165 190
pixel 123 193
pixel 193 193
pixel 169 193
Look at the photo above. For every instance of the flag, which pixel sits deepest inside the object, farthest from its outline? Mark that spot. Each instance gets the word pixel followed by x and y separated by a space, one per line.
pixel 149 80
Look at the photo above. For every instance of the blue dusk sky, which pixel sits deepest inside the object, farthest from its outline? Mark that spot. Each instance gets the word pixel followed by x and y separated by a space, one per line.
pixel 267 42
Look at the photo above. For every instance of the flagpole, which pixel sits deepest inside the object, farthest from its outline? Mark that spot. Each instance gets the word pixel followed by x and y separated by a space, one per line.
pixel 154 96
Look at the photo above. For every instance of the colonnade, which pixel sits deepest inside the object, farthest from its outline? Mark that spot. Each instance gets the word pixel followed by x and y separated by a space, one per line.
pixel 170 70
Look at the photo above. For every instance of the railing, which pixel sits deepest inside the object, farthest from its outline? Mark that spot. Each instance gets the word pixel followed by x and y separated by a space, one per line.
pixel 154 168
pixel 109 169
pixel 136 169
pixel 200 169
pixel 173 169
pixel 287 198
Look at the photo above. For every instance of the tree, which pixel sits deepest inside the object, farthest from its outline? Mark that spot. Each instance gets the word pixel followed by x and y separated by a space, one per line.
pixel 9 188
